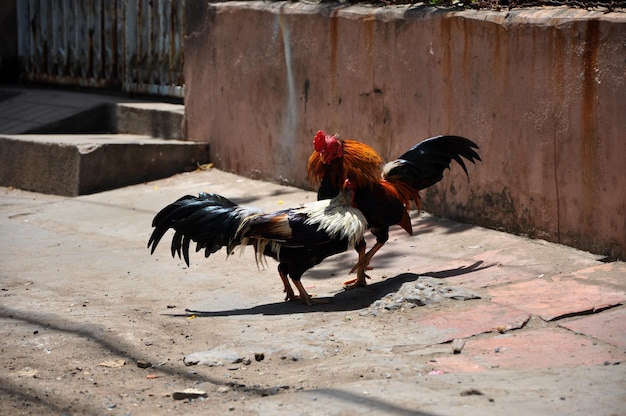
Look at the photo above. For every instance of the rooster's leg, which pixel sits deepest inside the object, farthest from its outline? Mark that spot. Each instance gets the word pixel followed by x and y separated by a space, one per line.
pixel 304 296
pixel 288 290
pixel 360 249
pixel 361 267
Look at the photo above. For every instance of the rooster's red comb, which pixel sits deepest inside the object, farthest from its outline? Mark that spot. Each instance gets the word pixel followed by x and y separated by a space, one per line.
pixel 319 142
pixel 329 147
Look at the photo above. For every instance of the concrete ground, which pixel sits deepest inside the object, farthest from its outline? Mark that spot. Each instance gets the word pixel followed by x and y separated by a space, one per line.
pixel 92 324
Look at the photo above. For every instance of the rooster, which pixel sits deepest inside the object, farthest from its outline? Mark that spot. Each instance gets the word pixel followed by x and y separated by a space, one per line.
pixel 298 238
pixel 384 194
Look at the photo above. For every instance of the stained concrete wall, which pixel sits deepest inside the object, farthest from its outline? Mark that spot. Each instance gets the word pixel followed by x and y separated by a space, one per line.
pixel 543 92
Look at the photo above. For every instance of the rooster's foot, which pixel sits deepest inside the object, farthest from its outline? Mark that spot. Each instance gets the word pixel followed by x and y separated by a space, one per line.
pixel 309 300
pixel 360 280
pixel 305 297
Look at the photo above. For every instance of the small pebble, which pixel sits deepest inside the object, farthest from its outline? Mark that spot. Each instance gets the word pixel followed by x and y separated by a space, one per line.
pixel 472 392
pixel 457 345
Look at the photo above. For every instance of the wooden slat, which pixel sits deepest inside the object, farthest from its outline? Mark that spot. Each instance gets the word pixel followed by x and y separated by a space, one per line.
pixel 132 45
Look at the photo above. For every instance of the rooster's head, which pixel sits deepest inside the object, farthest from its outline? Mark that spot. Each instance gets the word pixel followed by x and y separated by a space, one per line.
pixel 328 147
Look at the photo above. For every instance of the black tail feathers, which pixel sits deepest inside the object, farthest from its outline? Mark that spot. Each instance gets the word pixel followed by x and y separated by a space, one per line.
pixel 210 220
pixel 423 164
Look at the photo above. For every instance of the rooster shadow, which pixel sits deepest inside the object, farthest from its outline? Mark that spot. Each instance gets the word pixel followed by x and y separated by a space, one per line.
pixel 342 301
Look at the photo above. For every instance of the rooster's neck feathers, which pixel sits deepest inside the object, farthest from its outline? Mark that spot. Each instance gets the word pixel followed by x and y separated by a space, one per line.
pixel 359 162
pixel 337 218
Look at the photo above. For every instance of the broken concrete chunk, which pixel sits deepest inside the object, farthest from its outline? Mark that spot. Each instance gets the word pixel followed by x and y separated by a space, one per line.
pixel 425 291
pixel 113 363
pixel 212 358
pixel 189 394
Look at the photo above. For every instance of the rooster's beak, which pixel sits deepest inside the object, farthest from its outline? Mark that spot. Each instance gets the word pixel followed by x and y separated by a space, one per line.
pixel 325 158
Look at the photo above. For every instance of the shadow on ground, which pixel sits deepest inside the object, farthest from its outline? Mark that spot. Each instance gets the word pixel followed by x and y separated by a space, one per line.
pixel 343 301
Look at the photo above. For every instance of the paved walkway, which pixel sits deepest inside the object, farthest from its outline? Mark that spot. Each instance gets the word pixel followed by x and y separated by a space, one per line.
pixel 24 110
pixel 540 328
pixel 28 110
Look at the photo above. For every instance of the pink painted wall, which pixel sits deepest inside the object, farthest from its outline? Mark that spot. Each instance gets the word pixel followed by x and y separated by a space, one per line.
pixel 543 92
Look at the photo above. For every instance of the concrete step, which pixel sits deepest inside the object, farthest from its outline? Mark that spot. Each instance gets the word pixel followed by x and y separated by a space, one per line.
pixel 155 119
pixel 70 143
pixel 76 164
pixel 53 111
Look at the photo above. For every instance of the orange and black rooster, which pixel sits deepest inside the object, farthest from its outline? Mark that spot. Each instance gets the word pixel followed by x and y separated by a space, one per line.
pixel 298 238
pixel 383 193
